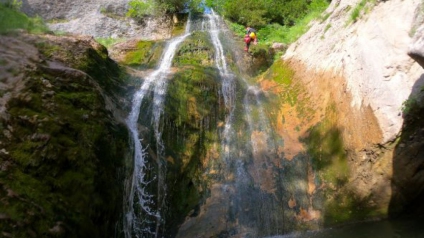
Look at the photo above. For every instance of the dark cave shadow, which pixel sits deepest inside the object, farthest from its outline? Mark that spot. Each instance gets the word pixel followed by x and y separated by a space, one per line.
pixel 408 159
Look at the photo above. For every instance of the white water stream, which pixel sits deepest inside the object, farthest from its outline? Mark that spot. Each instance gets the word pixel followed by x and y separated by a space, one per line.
pixel 234 153
pixel 139 203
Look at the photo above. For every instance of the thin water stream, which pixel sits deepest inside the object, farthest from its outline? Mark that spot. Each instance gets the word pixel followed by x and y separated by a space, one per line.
pixel 140 205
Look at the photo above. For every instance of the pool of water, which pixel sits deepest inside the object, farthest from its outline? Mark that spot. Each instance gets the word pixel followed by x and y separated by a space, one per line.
pixel 406 228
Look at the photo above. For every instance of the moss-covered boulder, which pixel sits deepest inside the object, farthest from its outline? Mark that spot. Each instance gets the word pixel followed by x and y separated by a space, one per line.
pixel 193 112
pixel 137 53
pixel 61 147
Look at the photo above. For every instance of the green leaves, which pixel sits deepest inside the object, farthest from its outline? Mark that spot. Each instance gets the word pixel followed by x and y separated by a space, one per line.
pixel 260 13
pixel 141 8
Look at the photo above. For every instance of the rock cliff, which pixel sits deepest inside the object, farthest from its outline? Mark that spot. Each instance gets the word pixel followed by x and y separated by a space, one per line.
pixel 355 61
pixel 99 18
pixel 369 52
pixel 63 143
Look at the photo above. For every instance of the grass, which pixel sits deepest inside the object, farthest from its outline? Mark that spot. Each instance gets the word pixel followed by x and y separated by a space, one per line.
pixel 363 7
pixel 11 19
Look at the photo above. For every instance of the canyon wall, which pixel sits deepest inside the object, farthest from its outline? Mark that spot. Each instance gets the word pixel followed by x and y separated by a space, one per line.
pixel 357 71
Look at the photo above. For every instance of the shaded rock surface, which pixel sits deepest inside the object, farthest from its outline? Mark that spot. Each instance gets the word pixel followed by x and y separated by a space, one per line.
pixel 416 48
pixel 63 143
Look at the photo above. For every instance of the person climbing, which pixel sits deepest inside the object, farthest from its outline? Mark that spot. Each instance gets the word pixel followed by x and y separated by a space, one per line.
pixel 249 37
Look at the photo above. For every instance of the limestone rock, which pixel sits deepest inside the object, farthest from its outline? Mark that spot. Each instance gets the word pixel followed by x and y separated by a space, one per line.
pixel 278 46
pixel 370 54
pixel 98 18
pixel 416 48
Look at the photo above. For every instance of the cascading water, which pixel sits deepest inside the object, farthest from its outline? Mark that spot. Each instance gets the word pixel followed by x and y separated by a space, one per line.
pixel 228 84
pixel 245 204
pixel 247 192
pixel 139 207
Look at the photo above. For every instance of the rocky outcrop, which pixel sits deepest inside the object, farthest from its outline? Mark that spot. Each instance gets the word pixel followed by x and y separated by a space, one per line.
pixel 100 18
pixel 358 71
pixel 370 53
pixel 416 48
pixel 62 141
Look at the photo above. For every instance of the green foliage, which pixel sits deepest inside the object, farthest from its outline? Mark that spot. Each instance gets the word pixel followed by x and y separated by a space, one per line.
pixel 273 33
pixel 196 5
pixel 11 19
pixel 141 8
pixel 409 105
pixel 260 13
pixel 13 4
pixel 276 31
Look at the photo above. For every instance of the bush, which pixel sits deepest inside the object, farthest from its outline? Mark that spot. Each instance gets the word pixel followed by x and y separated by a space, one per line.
pixel 139 8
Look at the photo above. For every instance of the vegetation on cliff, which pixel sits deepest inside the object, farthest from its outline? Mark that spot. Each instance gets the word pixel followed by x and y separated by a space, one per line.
pixel 282 21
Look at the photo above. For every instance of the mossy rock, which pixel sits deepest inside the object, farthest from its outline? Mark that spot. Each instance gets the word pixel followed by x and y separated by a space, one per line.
pixel 63 150
pixel 192 114
pixel 196 50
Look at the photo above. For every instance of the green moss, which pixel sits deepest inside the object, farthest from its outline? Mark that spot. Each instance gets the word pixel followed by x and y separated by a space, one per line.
pixel 346 207
pixel 329 159
pixel 178 29
pixel 281 73
pixel 145 55
pixel 192 113
pixel 196 50
pixel 48 50
pixel 326 146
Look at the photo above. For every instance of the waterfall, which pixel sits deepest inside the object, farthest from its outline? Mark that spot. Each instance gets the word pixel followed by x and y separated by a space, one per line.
pixel 140 213
pixel 242 154
pixel 246 150
pixel 261 125
pixel 228 84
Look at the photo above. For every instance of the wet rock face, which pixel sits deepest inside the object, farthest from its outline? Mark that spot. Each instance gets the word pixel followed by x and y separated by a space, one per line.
pixel 61 149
